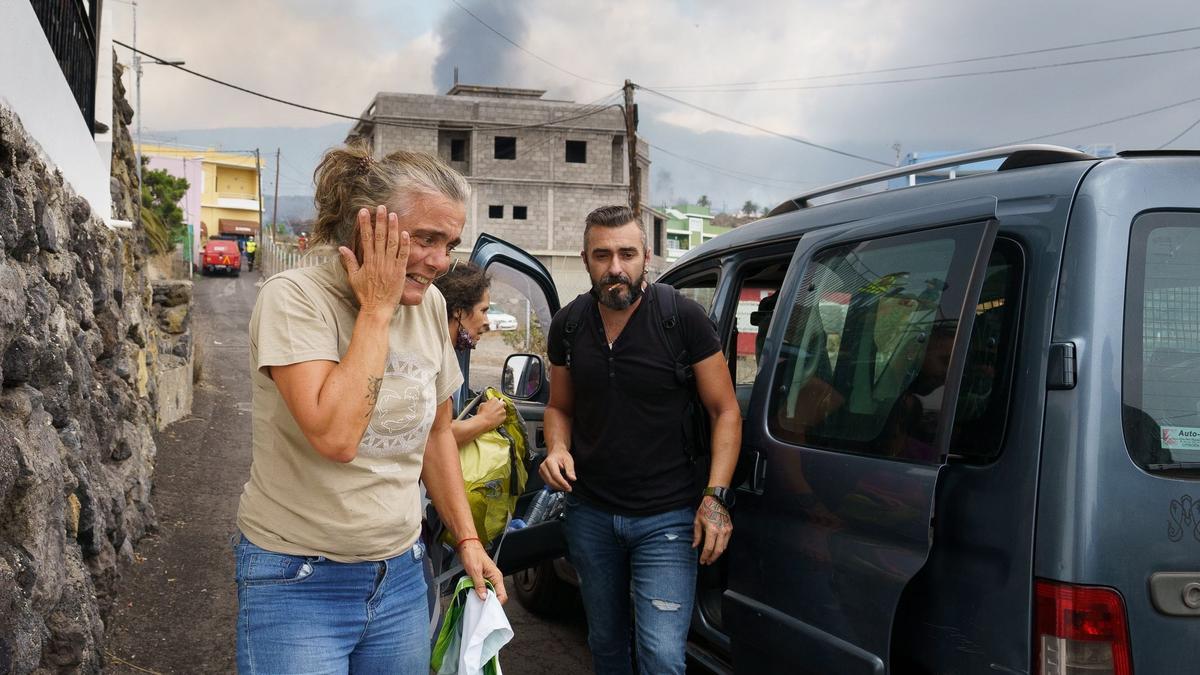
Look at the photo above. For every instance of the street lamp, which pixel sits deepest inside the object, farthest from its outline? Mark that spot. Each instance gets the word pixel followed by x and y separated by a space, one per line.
pixel 137 70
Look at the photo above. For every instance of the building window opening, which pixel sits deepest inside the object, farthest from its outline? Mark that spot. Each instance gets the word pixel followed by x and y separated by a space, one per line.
pixel 506 147
pixel 577 152
pixel 520 212
pixel 458 150
pixel 495 211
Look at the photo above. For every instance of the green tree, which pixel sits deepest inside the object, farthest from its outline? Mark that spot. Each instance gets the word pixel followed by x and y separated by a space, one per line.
pixel 703 201
pixel 749 208
pixel 161 193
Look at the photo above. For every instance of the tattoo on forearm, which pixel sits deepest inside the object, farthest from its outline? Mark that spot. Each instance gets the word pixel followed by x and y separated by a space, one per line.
pixel 373 386
pixel 716 514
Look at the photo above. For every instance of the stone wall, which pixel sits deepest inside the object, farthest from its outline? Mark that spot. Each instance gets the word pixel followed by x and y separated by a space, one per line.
pixel 79 353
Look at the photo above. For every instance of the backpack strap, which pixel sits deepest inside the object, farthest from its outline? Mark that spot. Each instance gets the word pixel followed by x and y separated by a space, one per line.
pixel 575 312
pixel 670 328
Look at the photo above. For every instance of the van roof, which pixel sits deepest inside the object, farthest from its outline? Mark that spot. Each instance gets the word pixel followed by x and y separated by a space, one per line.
pixel 1027 171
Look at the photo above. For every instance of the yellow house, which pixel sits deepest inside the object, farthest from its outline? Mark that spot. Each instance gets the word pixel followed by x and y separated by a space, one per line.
pixel 224 196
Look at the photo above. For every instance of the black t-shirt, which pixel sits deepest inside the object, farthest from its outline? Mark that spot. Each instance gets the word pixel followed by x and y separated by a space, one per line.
pixel 627 426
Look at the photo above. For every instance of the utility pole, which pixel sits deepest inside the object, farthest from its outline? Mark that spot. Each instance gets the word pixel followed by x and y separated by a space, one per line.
pixel 275 209
pixel 635 178
pixel 258 197
pixel 137 78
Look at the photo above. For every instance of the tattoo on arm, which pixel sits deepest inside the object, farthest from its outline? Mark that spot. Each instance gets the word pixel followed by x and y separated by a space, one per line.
pixel 373 386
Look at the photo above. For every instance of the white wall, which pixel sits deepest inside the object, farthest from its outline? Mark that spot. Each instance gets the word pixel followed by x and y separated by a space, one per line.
pixel 33 87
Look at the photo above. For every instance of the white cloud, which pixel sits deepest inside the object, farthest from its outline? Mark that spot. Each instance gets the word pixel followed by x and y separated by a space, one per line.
pixel 325 56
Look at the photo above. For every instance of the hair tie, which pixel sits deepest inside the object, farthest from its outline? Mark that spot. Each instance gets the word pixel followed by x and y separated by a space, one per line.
pixel 364 164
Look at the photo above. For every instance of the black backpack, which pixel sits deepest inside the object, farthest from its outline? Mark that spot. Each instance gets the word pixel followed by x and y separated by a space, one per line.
pixel 697 428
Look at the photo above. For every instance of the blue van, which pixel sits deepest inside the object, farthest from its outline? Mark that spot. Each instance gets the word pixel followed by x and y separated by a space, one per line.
pixel 972 421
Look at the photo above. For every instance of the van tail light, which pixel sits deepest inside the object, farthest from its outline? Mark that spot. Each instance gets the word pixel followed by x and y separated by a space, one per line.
pixel 1080 629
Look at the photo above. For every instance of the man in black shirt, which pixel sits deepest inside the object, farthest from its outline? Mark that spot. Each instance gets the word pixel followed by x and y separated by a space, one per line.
pixel 615 436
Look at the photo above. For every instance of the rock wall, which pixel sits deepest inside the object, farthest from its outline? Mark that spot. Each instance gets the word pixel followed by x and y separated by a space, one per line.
pixel 79 356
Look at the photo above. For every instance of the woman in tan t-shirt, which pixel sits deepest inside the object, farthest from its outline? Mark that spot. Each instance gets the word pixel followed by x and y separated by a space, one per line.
pixel 352 372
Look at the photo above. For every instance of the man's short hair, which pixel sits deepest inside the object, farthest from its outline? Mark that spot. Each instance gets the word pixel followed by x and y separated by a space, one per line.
pixel 614 215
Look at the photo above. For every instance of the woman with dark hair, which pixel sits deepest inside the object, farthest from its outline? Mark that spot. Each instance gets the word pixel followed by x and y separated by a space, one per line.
pixel 352 377
pixel 465 288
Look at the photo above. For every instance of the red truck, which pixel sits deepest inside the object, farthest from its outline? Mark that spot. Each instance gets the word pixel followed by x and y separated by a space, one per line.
pixel 220 255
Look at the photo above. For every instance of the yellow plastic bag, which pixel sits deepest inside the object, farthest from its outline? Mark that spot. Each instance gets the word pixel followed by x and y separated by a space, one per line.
pixel 493 467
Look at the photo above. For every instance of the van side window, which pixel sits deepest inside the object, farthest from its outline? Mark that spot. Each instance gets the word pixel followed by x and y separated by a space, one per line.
pixel 868 343
pixel 755 307
pixel 983 398
pixel 1161 389
pixel 702 288
pixel 758 291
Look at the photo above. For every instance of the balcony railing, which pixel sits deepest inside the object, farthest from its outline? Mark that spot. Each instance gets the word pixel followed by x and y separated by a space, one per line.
pixel 71 27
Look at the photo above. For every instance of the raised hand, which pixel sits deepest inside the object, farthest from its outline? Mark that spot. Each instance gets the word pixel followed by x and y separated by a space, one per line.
pixel 378 282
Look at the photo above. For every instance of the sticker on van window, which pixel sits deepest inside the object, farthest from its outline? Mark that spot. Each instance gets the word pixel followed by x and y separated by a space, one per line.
pixel 1181 438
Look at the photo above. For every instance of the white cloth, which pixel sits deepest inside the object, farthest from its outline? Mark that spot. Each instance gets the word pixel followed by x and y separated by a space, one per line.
pixel 485 629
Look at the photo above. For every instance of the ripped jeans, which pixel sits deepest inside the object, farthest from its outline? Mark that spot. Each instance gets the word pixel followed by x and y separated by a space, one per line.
pixel 653 557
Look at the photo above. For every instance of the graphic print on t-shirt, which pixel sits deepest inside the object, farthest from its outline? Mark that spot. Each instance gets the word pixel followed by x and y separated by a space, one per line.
pixel 405 410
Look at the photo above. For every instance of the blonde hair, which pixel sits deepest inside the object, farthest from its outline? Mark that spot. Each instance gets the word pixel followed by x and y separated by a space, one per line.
pixel 349 179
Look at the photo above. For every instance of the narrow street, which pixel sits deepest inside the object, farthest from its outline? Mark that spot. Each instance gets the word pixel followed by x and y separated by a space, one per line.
pixel 176 608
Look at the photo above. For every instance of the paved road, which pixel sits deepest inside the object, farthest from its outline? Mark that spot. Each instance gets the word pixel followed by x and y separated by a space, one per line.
pixel 176 609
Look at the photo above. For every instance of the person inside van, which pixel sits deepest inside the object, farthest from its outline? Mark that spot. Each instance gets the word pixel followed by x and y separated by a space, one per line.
pixel 911 430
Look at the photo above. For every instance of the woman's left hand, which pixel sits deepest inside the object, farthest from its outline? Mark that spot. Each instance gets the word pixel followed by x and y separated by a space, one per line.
pixel 493 412
pixel 479 566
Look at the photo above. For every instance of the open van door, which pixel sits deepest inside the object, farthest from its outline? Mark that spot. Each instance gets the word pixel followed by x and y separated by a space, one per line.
pixel 523 288
pixel 848 429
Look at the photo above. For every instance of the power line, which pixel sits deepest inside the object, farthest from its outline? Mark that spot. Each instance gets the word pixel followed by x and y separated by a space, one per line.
pixel 975 59
pixel 599 105
pixel 731 173
pixel 539 58
pixel 1100 124
pixel 764 130
pixel 1180 134
pixel 949 76
pixel 410 125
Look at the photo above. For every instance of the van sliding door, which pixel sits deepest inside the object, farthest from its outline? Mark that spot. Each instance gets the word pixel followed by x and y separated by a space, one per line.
pixel 851 428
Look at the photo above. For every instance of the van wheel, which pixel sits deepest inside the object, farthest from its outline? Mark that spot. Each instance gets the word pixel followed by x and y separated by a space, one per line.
pixel 543 593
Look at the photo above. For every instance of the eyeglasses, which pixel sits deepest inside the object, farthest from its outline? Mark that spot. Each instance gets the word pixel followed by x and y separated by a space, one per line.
pixel 453 266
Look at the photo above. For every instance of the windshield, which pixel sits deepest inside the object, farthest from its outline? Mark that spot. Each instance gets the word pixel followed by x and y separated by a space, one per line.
pixel 1161 412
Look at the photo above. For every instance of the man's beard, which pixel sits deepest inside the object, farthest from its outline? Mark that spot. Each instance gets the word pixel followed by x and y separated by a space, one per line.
pixel 625 293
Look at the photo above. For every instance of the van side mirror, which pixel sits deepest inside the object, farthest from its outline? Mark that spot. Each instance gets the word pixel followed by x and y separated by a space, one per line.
pixel 523 376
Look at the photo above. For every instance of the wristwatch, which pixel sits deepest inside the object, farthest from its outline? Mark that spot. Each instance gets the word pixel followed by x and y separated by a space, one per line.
pixel 721 494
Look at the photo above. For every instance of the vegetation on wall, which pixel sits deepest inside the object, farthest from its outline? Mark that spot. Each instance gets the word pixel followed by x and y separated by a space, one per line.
pixel 161 215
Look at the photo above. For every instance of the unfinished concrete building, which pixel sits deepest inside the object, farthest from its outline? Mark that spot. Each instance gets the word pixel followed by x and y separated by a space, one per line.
pixel 536 166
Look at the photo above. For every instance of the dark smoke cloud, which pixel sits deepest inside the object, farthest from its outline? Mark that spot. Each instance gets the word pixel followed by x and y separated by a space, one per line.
pixel 482 56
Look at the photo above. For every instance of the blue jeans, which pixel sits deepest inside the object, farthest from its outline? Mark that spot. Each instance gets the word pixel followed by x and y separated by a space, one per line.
pixel 654 555
pixel 313 615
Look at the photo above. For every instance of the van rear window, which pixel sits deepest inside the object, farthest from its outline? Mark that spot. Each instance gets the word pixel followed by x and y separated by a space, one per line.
pixel 1161 392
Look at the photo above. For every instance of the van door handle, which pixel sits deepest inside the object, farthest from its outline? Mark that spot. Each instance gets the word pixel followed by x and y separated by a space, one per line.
pixel 756 479
pixel 1176 593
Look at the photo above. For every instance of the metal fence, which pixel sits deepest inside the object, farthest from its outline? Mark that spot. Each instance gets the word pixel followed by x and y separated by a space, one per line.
pixel 71 27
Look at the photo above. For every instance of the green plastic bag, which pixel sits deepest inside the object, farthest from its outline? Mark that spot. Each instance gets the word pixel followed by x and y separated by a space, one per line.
pixel 444 658
pixel 493 467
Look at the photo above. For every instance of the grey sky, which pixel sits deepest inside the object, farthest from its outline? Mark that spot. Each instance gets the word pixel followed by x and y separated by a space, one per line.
pixel 336 55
